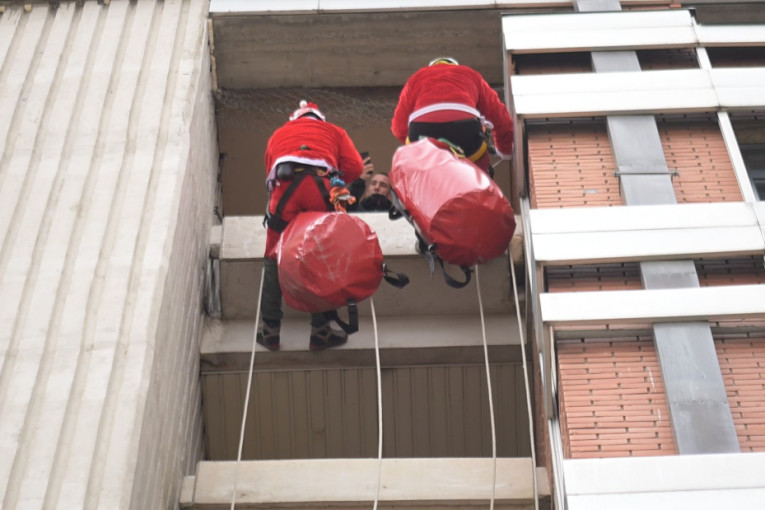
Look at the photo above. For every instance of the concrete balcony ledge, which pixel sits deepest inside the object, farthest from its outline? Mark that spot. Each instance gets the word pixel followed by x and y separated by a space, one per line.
pixel 352 484
pixel 226 345
pixel 707 481
pixel 240 241
pixel 718 303
pixel 590 235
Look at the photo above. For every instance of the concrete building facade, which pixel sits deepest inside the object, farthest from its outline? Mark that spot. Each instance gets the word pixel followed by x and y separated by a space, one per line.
pixel 612 358
pixel 108 141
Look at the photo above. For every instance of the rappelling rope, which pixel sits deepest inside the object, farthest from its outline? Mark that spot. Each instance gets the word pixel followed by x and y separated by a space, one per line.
pixel 528 390
pixel 379 406
pixel 247 393
pixel 491 398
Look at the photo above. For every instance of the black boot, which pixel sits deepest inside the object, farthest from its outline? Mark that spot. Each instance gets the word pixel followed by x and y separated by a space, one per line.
pixel 324 337
pixel 268 335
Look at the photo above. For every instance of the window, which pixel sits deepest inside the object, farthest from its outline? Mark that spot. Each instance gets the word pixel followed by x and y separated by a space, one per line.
pixel 754 159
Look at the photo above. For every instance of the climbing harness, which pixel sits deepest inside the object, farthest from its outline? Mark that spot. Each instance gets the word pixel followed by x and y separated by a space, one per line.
pixel 274 220
pixel 462 132
pixel 336 198
pixel 466 134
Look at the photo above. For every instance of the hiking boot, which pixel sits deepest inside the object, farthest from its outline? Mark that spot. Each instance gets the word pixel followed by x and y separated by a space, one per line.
pixel 268 335
pixel 324 337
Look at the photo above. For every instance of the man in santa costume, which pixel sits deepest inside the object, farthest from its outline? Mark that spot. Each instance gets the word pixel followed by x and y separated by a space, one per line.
pixel 309 152
pixel 454 102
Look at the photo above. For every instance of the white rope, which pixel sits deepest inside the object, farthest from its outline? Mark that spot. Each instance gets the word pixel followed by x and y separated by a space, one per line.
pixel 247 393
pixel 491 398
pixel 379 406
pixel 528 390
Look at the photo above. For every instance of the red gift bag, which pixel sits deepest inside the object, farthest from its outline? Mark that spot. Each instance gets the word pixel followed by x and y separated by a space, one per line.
pixel 326 259
pixel 452 203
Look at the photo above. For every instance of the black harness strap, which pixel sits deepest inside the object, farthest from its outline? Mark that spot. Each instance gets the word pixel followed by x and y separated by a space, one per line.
pixel 352 325
pixel 468 134
pixel 451 282
pixel 275 221
pixel 428 250
pixel 400 280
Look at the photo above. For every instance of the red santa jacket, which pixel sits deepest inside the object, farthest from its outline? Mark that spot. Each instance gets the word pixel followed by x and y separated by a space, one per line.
pixel 456 84
pixel 316 143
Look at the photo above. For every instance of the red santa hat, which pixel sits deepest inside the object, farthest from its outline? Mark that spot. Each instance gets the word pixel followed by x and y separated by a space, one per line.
pixel 305 109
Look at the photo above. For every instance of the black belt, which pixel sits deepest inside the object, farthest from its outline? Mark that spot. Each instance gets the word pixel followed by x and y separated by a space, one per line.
pixel 286 171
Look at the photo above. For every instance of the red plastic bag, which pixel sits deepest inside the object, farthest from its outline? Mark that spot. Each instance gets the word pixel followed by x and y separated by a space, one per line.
pixel 326 259
pixel 452 203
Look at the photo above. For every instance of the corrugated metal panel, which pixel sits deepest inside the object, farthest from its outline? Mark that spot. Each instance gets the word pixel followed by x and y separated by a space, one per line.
pixel 439 411
pixel 97 104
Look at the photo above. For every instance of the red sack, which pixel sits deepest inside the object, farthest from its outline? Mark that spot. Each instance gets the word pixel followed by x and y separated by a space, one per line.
pixel 327 258
pixel 452 203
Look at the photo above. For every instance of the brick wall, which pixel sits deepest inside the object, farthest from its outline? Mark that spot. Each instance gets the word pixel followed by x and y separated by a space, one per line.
pixel 612 399
pixel 738 271
pixel 674 58
pixel 626 275
pixel 618 276
pixel 742 362
pixel 613 402
pixel 696 151
pixel 572 164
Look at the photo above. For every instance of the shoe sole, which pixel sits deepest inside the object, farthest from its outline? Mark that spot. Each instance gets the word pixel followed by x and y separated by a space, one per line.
pixel 316 346
pixel 270 347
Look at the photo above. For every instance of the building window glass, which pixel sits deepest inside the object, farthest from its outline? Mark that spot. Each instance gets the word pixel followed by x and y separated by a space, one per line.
pixel 754 159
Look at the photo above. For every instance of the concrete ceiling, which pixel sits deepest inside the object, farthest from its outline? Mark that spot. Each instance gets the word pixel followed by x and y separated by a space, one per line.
pixel 360 49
